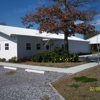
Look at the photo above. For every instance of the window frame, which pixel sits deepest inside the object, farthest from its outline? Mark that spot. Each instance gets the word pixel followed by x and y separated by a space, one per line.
pixel 28 47
pixel 38 47
pixel 48 46
pixel 6 46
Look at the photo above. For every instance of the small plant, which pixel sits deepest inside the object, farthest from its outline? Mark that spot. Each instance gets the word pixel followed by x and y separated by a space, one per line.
pixel 11 73
pixel 51 65
pixel 21 59
pixel 26 58
pixel 90 80
pixel 13 59
pixel 2 59
pixel 42 65
pixel 84 95
pixel 75 85
pixel 84 79
pixel 45 98
pixel 66 66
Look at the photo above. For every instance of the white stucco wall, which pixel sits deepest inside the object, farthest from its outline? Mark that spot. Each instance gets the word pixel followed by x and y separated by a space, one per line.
pixel 12 46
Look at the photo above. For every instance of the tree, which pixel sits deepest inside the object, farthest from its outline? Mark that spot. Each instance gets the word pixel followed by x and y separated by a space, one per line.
pixel 2 23
pixel 61 17
pixel 91 34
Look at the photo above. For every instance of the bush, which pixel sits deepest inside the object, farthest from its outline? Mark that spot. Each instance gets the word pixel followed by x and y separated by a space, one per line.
pixel 21 59
pixel 2 59
pixel 37 57
pixel 13 59
pixel 26 58
pixel 56 55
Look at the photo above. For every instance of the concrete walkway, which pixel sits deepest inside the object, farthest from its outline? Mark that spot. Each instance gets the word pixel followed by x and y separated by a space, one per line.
pixel 43 68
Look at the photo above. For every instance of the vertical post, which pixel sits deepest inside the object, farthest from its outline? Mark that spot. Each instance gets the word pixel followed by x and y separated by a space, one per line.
pixel 98 61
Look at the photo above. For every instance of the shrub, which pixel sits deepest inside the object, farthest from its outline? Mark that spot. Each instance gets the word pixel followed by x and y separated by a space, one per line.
pixel 13 59
pixel 2 59
pixel 26 58
pixel 21 59
pixel 37 57
pixel 56 55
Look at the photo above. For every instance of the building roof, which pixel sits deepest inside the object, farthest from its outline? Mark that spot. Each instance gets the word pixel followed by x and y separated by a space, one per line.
pixel 95 39
pixel 9 30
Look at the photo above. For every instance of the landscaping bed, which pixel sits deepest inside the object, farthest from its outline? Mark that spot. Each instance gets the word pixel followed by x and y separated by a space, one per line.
pixel 53 58
pixel 80 86
pixel 58 65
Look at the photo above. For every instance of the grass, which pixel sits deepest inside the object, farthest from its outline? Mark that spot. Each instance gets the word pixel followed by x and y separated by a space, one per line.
pixel 81 78
pixel 75 85
pixel 58 65
pixel 84 95
pixel 45 98
pixel 10 72
pixel 80 86
pixel 84 79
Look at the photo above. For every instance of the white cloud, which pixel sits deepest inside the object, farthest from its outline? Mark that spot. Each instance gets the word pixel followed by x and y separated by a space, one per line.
pixel 96 22
pixel 79 22
pixel 26 9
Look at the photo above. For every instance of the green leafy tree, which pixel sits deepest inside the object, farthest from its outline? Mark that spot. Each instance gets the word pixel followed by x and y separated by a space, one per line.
pixel 61 17
pixel 91 34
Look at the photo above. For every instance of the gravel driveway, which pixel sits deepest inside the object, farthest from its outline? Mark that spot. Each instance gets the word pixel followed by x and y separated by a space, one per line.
pixel 22 85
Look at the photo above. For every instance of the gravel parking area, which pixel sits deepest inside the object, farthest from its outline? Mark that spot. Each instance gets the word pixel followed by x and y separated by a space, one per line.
pixel 21 85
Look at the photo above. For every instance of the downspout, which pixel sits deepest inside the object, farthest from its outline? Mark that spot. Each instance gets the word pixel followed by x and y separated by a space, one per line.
pixel 17 47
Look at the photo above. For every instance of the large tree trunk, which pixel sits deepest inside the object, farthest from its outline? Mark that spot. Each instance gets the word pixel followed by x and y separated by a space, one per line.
pixel 66 47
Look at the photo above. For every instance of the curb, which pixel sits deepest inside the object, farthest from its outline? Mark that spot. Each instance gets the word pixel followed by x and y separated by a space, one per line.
pixel 11 68
pixel 26 70
pixel 56 91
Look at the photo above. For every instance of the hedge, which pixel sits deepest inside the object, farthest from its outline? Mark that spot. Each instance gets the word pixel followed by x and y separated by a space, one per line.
pixel 56 55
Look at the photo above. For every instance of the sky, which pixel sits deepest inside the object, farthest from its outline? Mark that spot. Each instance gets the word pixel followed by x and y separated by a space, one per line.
pixel 11 12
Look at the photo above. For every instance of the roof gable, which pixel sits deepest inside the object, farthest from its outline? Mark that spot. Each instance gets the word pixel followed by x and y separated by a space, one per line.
pixel 95 39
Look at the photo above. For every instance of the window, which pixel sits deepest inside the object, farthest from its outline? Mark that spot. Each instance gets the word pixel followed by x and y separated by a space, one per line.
pixel 47 47
pixel 6 46
pixel 28 46
pixel 62 46
pixel 38 46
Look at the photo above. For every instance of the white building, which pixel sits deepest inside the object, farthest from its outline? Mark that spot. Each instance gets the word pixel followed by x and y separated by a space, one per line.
pixel 21 42
pixel 94 41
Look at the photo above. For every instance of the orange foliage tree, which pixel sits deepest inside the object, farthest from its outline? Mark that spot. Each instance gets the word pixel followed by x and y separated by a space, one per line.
pixel 61 17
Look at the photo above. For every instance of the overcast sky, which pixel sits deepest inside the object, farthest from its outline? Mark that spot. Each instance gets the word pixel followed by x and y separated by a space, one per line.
pixel 11 11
